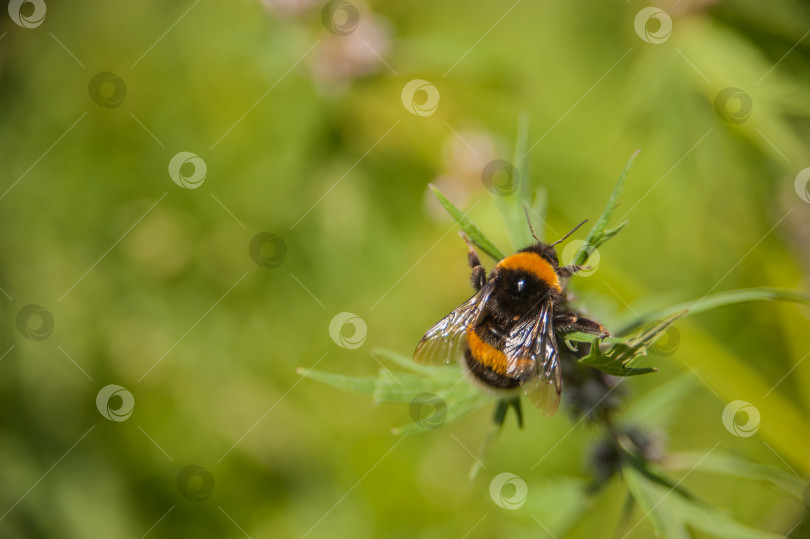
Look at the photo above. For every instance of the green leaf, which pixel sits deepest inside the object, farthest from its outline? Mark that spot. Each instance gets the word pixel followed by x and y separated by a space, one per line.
pixel 721 299
pixel 728 464
pixel 458 396
pixel 579 336
pixel 649 498
pixel 714 521
pixel 670 511
pixel 469 228
pixel 364 385
pixel 599 234
pixel 617 358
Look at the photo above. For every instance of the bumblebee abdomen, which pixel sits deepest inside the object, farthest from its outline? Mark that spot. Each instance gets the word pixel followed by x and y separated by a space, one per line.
pixel 486 360
pixel 487 375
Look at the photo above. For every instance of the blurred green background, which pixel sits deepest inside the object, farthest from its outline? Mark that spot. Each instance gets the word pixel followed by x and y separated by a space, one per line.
pixel 304 135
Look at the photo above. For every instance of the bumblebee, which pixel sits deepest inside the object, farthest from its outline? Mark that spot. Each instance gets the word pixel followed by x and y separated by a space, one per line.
pixel 507 331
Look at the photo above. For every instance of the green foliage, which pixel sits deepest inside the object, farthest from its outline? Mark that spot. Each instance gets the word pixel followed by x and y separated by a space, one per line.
pixel 469 228
pixel 617 358
pixel 671 511
pixel 337 168
pixel 670 508
pixel 600 233
pixel 403 387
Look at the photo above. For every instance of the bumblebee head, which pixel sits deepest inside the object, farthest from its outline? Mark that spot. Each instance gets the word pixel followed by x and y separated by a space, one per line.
pixel 547 250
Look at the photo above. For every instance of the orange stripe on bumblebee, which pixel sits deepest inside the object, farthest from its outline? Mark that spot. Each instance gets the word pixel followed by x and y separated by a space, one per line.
pixel 486 354
pixel 534 264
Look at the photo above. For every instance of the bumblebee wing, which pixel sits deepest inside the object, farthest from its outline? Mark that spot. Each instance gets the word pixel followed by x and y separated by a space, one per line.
pixel 444 342
pixel 531 353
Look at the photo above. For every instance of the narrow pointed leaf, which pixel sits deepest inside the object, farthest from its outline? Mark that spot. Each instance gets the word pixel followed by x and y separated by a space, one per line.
pixel 469 228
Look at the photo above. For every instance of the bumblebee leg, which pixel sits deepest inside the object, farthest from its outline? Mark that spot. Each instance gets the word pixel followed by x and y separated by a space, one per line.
pixel 479 274
pixel 570 322
pixel 567 271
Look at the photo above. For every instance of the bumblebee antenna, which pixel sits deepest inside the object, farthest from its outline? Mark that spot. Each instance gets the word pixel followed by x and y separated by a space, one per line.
pixel 572 231
pixel 529 220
